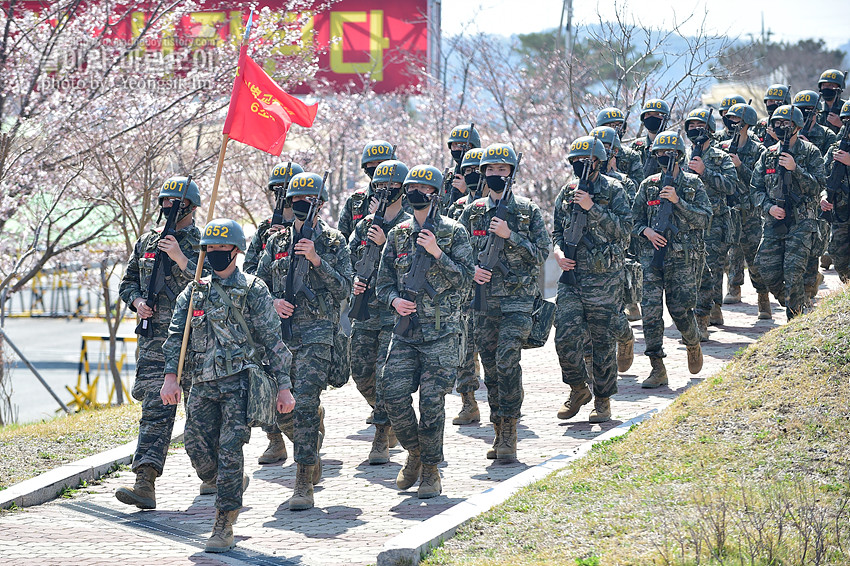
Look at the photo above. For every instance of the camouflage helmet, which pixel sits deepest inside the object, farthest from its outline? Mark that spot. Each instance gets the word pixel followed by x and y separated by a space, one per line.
pixel 655 105
pixel 788 112
pixel 778 92
pixel 283 172
pixel 607 134
pixel 609 115
pixel 472 158
pixel 376 150
pixel 701 115
pixel 223 231
pixel 307 184
pixel 730 101
pixel 588 146
pixel 668 140
pixel 425 175
pixel 745 112
pixel 832 76
pixel 464 133
pixel 845 110
pixel 497 153
pixel 173 188
pixel 806 99
pixel 392 171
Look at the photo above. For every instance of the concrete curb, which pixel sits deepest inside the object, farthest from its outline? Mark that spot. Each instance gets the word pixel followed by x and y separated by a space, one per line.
pixel 48 485
pixel 409 547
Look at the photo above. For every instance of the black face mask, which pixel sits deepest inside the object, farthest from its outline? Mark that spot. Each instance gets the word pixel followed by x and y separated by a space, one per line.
pixel 471 180
pixel 418 200
pixel 807 112
pixel 730 125
pixel 781 132
pixel 578 167
pixel 496 183
pixel 301 209
pixel 652 123
pixel 829 94
pixel 663 161
pixel 370 171
pixel 457 155
pixel 696 135
pixel 394 194
pixel 220 259
pixel 771 108
pixel 163 212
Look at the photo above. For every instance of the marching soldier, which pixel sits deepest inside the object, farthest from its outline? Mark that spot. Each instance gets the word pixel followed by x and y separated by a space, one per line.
pixel 313 319
pixel 157 419
pixel 424 352
pixel 775 96
pixel 837 205
pixel 725 105
pixel 678 278
pixel 653 115
pixel 503 328
pixel 462 139
pixel 357 205
pixel 627 161
pixel 234 328
pixel 594 299
pixel 831 85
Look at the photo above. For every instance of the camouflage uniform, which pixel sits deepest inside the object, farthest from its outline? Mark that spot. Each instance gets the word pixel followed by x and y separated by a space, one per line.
pixel 822 138
pixel 839 247
pixel 370 339
pixel 596 300
pixel 314 324
pixel 760 132
pixel 355 209
pixel 641 147
pixel 620 326
pixel 219 356
pixel 428 360
pixel 781 259
pixel 258 244
pixel 683 260
pixel 630 164
pixel 824 114
pixel 720 180
pixel 157 419
pixel 750 217
pixel 501 332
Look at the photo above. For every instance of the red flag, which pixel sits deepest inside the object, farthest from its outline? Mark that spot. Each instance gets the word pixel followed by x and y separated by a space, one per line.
pixel 260 112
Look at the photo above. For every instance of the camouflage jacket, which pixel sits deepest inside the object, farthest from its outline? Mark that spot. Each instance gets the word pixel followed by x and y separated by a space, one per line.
pixel 821 137
pixel 218 346
pixel 630 164
pixel 450 276
pixel 691 215
pixel 523 254
pixel 457 207
pixel 823 113
pixel 258 244
pixel 641 147
pixel 381 314
pixel 748 153
pixel 719 179
pixel 628 185
pixel 137 277
pixel 842 198
pixel 609 222
pixel 760 132
pixel 355 209
pixel 806 182
pixel 313 322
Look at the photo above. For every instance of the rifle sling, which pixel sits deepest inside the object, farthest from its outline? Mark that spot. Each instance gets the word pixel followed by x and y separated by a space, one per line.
pixel 239 318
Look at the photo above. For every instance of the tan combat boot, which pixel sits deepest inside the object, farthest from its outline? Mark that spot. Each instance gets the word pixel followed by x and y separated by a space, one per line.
pixel 222 533
pixel 579 396
pixel 633 312
pixel 208 487
pixel 497 426
pixel 380 453
pixel 409 474
pixel 276 451
pixel 733 295
pixel 764 307
pixel 469 411
pixel 625 354
pixel 142 494
pixel 695 358
pixel 702 327
pixel 825 261
pixel 658 375
pixel 392 439
pixel 302 496
pixel 430 485
pixel 601 410
pixel 506 449
pixel 715 318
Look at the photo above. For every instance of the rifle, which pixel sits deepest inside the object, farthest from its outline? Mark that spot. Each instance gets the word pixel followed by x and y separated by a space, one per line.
pixel 811 120
pixel 449 179
pixel 781 227
pixel 651 165
pixel 295 282
pixel 701 139
pixel 625 123
pixel 663 223
pixel 366 267
pixel 488 259
pixel 162 264
pixel 578 227
pixel 413 282
pixel 835 182
pixel 280 199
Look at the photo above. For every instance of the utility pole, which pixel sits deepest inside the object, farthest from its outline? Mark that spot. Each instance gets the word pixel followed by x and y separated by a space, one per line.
pixel 568 7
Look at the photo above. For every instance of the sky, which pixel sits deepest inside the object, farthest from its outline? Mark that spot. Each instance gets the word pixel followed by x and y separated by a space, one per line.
pixel 788 20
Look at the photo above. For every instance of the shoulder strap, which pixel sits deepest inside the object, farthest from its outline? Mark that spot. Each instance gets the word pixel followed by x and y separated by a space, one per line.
pixel 236 314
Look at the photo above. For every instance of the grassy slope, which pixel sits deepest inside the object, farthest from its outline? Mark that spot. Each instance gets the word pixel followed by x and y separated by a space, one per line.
pixel 750 464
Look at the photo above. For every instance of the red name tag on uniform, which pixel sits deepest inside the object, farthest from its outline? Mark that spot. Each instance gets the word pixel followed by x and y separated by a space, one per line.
pixel 197 313
pixel 264 246
pixel 150 255
pixel 358 216
pixel 479 232
pixel 362 242
pixel 281 255
pixel 653 202
pixel 402 254
pixel 770 171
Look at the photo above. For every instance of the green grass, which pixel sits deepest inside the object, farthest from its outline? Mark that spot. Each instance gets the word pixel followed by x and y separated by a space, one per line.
pixel 751 467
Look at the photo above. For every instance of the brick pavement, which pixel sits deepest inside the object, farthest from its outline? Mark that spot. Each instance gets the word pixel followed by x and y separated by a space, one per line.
pixel 358 507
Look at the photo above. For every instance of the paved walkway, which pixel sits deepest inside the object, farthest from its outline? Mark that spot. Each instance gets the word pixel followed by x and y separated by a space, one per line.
pixel 358 507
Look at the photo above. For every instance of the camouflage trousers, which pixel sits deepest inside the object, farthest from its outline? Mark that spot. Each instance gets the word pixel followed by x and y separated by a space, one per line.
pixel 819 245
pixel 591 307
pixel 782 263
pixel 839 249
pixel 677 284
pixel 467 373
pixel 216 430
pixel 157 420
pixel 311 364
pixel 499 337
pixel 744 253
pixel 711 282
pixel 431 368
pixel 368 355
